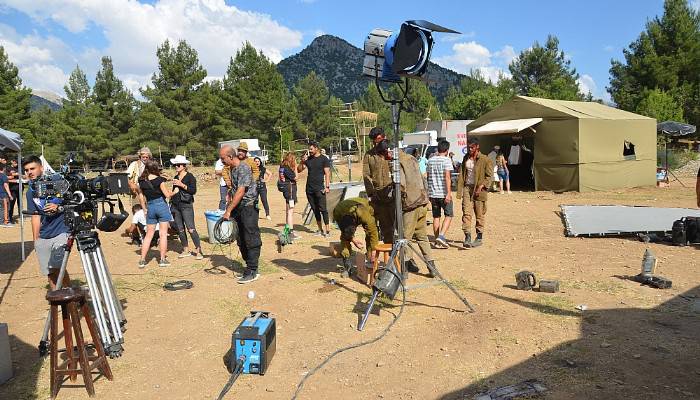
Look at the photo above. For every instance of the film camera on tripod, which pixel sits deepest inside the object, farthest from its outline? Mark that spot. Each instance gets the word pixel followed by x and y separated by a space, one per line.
pixel 80 200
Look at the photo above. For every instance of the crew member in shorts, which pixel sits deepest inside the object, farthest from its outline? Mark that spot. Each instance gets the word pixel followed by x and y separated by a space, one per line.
pixel 49 228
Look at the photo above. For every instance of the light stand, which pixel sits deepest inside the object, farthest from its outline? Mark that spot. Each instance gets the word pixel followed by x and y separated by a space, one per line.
pixel 388 278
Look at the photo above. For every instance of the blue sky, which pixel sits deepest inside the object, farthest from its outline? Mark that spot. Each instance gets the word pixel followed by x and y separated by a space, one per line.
pixel 47 38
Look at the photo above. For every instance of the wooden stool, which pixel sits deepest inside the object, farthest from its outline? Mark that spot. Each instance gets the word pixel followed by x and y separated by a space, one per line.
pixel 382 249
pixel 70 300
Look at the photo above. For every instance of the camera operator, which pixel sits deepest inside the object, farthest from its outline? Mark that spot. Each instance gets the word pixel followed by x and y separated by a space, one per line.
pixel 49 227
pixel 242 206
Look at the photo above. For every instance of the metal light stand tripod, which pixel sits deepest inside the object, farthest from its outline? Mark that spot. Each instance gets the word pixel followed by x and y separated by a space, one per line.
pixel 386 281
pixel 109 315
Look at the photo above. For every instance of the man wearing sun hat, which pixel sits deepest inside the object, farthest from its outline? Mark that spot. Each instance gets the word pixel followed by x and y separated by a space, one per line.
pixel 242 152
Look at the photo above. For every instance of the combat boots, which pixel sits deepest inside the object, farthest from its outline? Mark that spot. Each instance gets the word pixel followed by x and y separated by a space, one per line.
pixel 467 240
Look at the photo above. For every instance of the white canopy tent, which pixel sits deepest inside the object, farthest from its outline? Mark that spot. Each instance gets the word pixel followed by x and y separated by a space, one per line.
pixel 504 127
pixel 12 141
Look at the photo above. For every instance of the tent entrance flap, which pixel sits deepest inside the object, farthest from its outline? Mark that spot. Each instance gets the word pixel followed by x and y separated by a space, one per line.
pixel 510 126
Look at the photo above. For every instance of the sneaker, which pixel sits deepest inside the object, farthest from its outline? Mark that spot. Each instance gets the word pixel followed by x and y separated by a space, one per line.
pixel 442 242
pixel 326 234
pixel 268 218
pixel 248 277
pixel 185 254
pixel 164 262
pixel 199 256
pixel 318 233
pixel 142 264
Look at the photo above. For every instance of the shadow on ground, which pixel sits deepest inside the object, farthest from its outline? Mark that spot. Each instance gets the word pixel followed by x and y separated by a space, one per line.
pixel 11 261
pixel 626 353
pixel 26 372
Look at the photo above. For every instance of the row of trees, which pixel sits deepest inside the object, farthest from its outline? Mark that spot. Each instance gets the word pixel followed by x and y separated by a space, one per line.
pixel 183 111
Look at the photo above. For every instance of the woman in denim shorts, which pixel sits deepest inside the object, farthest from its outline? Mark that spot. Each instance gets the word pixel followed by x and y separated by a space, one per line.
pixel 153 197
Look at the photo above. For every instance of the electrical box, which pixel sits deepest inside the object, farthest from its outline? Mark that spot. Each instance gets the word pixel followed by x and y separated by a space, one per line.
pixel 255 339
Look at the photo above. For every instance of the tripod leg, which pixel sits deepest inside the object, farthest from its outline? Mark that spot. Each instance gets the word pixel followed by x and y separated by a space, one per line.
pixel 437 273
pixel 96 300
pixel 107 296
pixel 120 310
pixel 370 305
pixel 43 343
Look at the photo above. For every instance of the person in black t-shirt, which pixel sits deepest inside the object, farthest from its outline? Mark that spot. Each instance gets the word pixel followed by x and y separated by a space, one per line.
pixel 262 185
pixel 318 184
pixel 154 193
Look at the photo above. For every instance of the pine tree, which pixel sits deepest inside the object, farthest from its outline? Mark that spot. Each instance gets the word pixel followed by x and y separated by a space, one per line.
pixel 254 96
pixel 311 96
pixel 666 56
pixel 181 106
pixel 14 99
pixel 475 96
pixel 545 72
pixel 116 107
pixel 77 125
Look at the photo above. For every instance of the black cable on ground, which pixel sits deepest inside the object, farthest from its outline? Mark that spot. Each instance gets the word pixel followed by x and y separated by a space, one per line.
pixel 354 346
pixel 231 380
pixel 178 285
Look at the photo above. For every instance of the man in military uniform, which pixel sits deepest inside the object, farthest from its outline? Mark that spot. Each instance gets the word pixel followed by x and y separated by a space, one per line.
pixel 475 176
pixel 376 173
pixel 349 214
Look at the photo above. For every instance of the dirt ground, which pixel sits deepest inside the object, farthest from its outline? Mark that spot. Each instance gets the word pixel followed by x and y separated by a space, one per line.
pixel 632 341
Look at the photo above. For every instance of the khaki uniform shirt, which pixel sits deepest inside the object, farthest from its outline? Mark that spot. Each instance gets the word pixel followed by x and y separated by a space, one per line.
pixel 376 173
pixel 483 174
pixel 363 213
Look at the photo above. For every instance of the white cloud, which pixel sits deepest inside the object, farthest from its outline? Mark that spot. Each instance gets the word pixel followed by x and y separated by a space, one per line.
pixel 134 30
pixel 472 56
pixel 695 4
pixel 586 84
pixel 37 58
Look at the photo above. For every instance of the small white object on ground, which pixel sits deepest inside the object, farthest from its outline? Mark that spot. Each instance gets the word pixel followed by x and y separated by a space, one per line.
pixel 251 295
pixel 582 307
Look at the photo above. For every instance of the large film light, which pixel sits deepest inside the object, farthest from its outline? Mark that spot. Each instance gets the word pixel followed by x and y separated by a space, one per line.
pixel 391 55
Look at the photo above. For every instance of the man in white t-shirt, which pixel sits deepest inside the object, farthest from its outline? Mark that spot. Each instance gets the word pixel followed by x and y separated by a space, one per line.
pixel 223 187
pixel 439 171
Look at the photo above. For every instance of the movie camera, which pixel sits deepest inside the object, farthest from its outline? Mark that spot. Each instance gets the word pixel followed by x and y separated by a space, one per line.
pixel 79 198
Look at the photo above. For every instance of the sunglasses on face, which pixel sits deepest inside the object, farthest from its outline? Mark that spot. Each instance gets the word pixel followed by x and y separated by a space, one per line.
pixel 179 165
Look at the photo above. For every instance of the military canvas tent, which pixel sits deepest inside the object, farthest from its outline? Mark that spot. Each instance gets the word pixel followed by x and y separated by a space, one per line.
pixel 576 146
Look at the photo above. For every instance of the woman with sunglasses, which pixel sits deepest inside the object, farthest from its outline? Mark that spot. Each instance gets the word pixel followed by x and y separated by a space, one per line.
pixel 262 185
pixel 181 205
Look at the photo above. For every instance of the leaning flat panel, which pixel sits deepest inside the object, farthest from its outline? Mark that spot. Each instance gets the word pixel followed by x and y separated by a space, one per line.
pixel 619 220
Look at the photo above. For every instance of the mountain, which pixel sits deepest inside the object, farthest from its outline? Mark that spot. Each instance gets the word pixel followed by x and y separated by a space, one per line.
pixel 42 98
pixel 339 63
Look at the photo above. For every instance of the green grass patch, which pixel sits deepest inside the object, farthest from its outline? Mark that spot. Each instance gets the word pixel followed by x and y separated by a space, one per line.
pixel 231 310
pixel 555 305
pixel 609 287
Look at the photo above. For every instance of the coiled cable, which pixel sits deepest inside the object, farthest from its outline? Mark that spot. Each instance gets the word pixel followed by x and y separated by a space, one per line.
pixel 225 234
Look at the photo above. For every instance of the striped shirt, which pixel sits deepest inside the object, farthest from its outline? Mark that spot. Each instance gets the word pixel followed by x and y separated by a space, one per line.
pixel 437 165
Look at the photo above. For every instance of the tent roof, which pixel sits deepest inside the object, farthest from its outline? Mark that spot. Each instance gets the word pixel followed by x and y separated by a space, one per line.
pixel 508 126
pixel 10 140
pixel 584 109
pixel 534 107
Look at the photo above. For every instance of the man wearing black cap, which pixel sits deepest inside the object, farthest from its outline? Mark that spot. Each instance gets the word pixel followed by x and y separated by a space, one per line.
pixel 350 213
pixel 475 175
pixel 376 173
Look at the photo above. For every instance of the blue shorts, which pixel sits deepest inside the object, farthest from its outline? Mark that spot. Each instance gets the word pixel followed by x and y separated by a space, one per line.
pixel 503 174
pixel 158 211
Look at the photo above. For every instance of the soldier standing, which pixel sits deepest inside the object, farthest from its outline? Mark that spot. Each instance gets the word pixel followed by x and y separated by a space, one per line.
pixel 376 173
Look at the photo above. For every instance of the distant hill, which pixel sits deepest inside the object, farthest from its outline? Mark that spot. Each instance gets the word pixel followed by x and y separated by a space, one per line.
pixel 339 63
pixel 41 98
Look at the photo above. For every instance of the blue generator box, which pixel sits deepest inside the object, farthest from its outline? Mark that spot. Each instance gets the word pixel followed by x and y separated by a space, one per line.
pixel 254 339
